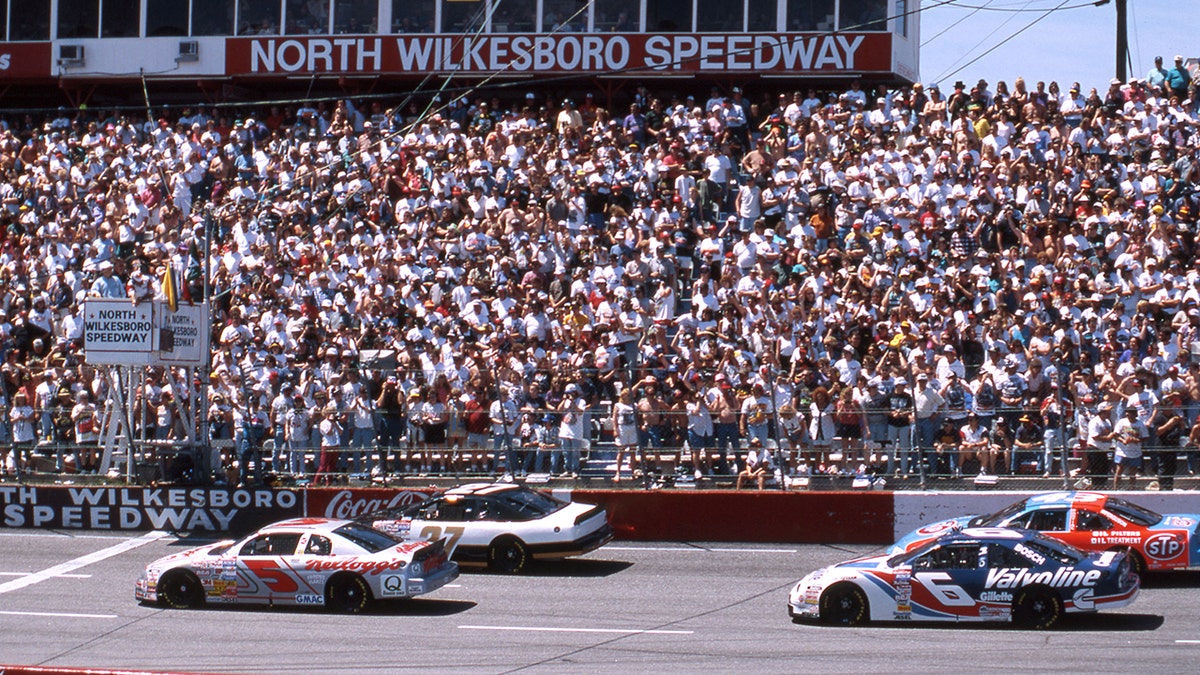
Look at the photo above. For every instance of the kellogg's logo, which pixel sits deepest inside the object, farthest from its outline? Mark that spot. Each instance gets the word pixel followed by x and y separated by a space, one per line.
pixel 345 505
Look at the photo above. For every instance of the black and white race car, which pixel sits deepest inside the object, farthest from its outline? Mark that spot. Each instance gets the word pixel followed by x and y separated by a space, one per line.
pixel 500 525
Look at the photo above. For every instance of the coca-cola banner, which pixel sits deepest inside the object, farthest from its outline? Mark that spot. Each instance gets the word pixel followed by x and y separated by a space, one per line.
pixel 185 509
pixel 354 503
pixel 629 53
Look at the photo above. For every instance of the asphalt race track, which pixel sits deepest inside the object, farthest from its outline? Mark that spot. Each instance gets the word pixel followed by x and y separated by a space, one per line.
pixel 66 599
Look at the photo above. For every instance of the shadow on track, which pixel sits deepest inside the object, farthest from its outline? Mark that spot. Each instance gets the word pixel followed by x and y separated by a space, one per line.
pixel 583 568
pixel 1071 623
pixel 398 607
pixel 1179 579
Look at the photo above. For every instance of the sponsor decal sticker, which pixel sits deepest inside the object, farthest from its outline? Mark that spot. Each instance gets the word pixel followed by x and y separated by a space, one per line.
pixel 309 599
pixel 999 613
pixel 936 528
pixel 1116 538
pixel 355 565
pixel 1164 546
pixel 1063 577
pixel 1084 598
pixel 1180 521
pixel 995 596
pixel 1031 554
pixel 393 586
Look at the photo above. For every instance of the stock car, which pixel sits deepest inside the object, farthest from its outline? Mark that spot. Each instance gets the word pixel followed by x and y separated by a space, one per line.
pixel 976 574
pixel 340 564
pixel 1092 521
pixel 500 525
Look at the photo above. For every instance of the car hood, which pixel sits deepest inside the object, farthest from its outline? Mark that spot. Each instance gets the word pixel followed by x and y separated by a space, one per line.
pixel 190 554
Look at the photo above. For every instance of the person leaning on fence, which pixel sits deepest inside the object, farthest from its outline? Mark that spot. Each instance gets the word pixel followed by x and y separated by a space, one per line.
pixel 1167 428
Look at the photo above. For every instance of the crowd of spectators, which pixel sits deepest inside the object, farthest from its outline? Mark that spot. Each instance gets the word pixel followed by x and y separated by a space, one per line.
pixel 913 280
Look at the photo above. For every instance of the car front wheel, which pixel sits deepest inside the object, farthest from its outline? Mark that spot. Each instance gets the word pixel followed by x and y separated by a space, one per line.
pixel 508 555
pixel 845 604
pixel 180 590
pixel 348 594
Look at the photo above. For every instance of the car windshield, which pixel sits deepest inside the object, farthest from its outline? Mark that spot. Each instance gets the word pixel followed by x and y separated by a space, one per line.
pixel 1132 512
pixel 994 519
pixel 530 504
pixel 370 539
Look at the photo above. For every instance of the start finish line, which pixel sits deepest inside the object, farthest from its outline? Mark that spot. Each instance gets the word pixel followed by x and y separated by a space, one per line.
pixel 118 332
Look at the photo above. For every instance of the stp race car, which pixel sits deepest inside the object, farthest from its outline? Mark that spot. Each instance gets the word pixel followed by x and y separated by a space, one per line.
pixel 982 574
pixel 1091 521
pixel 500 525
pixel 340 564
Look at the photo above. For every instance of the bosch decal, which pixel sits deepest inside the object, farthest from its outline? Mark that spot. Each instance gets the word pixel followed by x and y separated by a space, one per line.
pixel 1033 555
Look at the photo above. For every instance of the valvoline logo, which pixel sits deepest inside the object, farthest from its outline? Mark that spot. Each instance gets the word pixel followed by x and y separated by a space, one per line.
pixel 1164 546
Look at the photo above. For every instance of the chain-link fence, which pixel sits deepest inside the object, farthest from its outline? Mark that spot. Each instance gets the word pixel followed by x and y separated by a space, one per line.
pixel 816 449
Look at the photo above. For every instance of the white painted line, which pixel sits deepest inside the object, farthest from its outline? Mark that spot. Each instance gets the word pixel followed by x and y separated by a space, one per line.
pixel 64 535
pixel 82 561
pixel 700 549
pixel 73 616
pixel 1187 642
pixel 547 629
pixel 452 586
pixel 64 576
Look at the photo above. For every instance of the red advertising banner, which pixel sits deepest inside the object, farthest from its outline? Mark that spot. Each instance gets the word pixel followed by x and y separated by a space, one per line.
pixel 24 60
pixel 347 503
pixel 601 53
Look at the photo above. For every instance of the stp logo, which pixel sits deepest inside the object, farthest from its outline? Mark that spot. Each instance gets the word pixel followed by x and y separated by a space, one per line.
pixel 1164 546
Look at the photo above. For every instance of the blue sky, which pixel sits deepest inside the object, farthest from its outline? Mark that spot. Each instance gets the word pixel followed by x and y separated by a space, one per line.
pixel 1070 45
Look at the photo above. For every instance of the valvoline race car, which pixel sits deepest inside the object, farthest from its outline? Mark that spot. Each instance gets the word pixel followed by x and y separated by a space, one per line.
pixel 340 564
pixel 981 574
pixel 500 525
pixel 1091 521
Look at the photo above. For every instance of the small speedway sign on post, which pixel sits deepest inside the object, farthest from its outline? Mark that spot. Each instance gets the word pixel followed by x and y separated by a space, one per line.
pixel 117 332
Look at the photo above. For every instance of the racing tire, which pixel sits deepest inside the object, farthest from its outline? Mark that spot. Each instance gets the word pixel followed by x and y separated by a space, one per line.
pixel 347 594
pixel 1037 608
pixel 507 555
pixel 180 590
pixel 1137 564
pixel 844 604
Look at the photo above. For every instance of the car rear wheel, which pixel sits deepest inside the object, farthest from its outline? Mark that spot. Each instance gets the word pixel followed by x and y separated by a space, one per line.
pixel 180 590
pixel 1037 608
pixel 348 594
pixel 508 555
pixel 845 604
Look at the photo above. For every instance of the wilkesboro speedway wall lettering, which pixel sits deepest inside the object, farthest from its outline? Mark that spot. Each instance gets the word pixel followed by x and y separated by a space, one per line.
pixel 146 508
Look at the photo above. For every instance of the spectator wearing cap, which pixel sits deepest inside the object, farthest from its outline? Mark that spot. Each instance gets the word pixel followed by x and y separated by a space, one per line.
pixel 929 407
pixel 298 422
pixel 1178 79
pixel 1156 79
pixel 758 465
pixel 1129 435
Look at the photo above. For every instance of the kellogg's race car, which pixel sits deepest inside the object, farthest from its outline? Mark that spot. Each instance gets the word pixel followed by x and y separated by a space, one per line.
pixel 981 574
pixel 500 525
pixel 1091 521
pixel 340 564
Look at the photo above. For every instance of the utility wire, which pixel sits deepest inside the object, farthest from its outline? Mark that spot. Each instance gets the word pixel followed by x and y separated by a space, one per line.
pixel 1029 25
pixel 983 40
pixel 947 29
